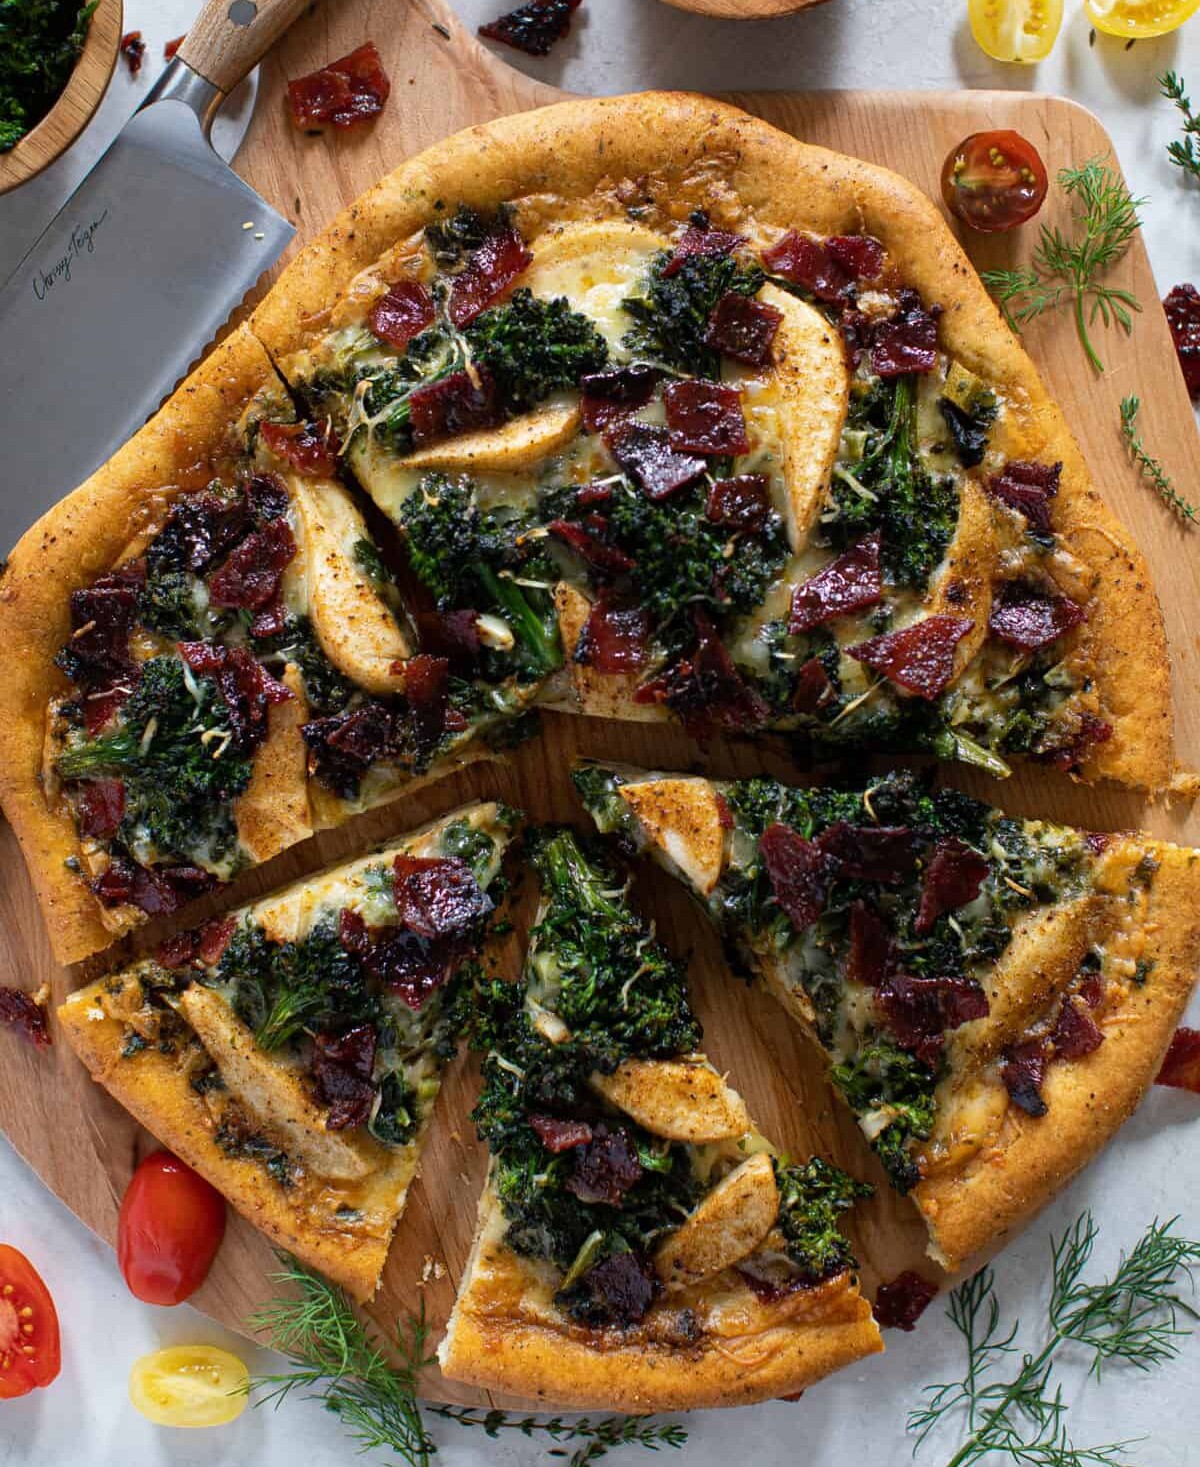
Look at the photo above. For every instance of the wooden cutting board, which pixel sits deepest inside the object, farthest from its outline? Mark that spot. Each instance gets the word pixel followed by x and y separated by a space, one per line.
pixel 85 1147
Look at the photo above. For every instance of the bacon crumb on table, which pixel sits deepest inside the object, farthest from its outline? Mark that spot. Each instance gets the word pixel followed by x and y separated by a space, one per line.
pixel 1181 1065
pixel 25 1013
pixel 532 28
pixel 347 92
pixel 133 48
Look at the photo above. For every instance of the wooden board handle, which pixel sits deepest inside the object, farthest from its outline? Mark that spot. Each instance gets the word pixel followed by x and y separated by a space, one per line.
pixel 230 37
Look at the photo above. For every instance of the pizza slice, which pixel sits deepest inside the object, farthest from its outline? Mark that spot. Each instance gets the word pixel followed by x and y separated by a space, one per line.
pixel 292 1051
pixel 710 425
pixel 993 995
pixel 222 668
pixel 640 1245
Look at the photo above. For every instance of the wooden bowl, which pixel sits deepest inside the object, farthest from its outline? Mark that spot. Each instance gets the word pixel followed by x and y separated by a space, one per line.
pixel 744 9
pixel 74 109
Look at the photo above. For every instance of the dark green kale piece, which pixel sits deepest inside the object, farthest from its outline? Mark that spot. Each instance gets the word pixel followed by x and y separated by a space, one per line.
pixel 881 1075
pixel 396 1115
pixel 671 314
pixel 326 690
pixel 534 348
pixel 811 1198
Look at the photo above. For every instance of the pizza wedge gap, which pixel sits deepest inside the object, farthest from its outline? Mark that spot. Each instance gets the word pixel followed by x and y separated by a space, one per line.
pixel 292 1051
pixel 640 1245
pixel 993 996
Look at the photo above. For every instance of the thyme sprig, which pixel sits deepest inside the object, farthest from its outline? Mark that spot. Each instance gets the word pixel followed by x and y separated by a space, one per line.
pixel 371 1384
pixel 1136 1317
pixel 1069 269
pixel 1150 467
pixel 1183 152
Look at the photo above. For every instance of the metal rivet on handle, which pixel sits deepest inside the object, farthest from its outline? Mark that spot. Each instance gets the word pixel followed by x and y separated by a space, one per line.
pixel 242 12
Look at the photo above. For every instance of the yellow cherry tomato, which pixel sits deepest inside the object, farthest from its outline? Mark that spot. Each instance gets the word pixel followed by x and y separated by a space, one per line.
pixel 1017 30
pixel 189 1385
pixel 1134 19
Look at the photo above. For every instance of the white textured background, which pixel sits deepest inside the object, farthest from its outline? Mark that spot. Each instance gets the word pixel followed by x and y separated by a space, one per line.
pixel 1151 1170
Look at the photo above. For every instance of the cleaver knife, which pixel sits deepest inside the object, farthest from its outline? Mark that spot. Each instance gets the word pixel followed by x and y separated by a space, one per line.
pixel 136 274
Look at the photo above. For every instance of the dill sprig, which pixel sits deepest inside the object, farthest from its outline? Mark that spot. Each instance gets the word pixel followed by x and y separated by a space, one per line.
pixel 1069 269
pixel 1150 467
pixel 1183 152
pixel 372 1385
pixel 1137 1317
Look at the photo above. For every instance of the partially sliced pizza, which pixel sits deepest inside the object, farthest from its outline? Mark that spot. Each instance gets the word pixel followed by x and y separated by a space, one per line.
pixel 993 995
pixel 292 1051
pixel 640 1246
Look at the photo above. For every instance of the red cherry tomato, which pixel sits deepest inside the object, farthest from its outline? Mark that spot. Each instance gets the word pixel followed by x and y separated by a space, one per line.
pixel 30 1355
pixel 994 180
pixel 169 1230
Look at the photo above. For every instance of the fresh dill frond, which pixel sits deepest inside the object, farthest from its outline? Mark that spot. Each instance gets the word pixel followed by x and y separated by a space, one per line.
pixel 1150 467
pixel 1183 152
pixel 1069 268
pixel 1137 1316
pixel 371 1384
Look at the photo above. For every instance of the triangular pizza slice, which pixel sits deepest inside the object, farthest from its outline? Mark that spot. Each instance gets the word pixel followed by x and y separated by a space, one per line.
pixel 641 1245
pixel 292 1051
pixel 993 995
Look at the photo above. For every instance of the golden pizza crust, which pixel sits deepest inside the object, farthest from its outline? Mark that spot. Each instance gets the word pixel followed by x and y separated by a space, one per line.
pixel 498 1340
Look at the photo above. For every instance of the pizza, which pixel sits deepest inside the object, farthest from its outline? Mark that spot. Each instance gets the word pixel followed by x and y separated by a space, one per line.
pixel 993 996
pixel 641 1246
pixel 292 1051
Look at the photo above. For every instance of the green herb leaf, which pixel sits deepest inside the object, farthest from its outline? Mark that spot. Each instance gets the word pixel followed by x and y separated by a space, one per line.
pixel 1183 152
pixel 1150 467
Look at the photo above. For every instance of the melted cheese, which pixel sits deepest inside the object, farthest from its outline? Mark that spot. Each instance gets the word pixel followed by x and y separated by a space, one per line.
pixel 595 266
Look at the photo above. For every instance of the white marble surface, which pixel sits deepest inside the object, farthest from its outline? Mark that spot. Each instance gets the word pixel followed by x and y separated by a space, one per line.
pixel 1151 1170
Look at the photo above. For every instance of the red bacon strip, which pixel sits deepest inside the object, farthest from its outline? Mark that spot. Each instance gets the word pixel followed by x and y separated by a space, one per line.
pixel 100 808
pixel 488 273
pixel 437 896
pixel 1181 1064
pixel 347 92
pixel 799 871
pixel 459 403
pixel 706 689
pixel 648 457
pixel 907 341
pixel 404 311
pixel 1023 1072
pixel 705 417
pixel 614 639
pixel 699 239
pixel 1028 488
pixel 342 1067
pixel 920 657
pixel 606 559
pixel 249 576
pixel 741 503
pixel 884 853
pixel 616 393
pixel 743 329
pixel 311 450
pixel 606 1167
pixel 427 688
pixel 920 1011
pixel 954 877
pixel 558 1136
pixel 869 956
pixel 1076 1033
pixel 849 583
pixel 1182 307
pixel 813 691
pixel 1031 619
pixel 825 268
pixel 900 1303
pixel 20 1010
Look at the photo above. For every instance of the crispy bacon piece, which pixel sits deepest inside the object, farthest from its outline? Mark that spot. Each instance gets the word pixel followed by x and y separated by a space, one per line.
pixel 22 1011
pixel 920 657
pixel 648 457
pixel 1076 1033
pixel 453 635
pixel 178 950
pixel 401 313
pixel 607 560
pixel 813 691
pixel 616 393
pixel 213 939
pixel 311 450
pixel 1182 306
pixel 438 896
pixel 249 576
pixel 724 814
pixel 900 1303
pixel 347 92
pixel 1030 619
pixel 1089 732
pixel 100 808
pixel 409 965
pixel 345 745
pixel 488 273
pixel 742 503
pixel 615 639
pixel 849 583
pixel 133 49
pixel 705 417
pixel 1091 990
pixel 200 529
pixel 700 239
pixel 706 689
pixel 342 1066
pixel 172 46
pixel 246 688
pixel 743 329
pixel 884 853
pixel 427 688
pixel 605 1167
pixel 102 617
pixel 907 341
pixel 800 873
pixel 825 268
pixel 618 1290
pixel 869 956
pixel 456 404
pixel 156 890
pixel 270 621
pixel 1023 1072
pixel 1028 488
pixel 100 707
pixel 1181 1064
pixel 954 877
pixel 533 28
pixel 558 1136
pixel 920 1011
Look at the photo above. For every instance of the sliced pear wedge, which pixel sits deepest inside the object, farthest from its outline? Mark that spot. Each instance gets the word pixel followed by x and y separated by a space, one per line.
pixel 680 1100
pixel 683 818
pixel 273 812
pixel 728 1225
pixel 962 584
pixel 274 1093
pixel 519 444
pixel 352 621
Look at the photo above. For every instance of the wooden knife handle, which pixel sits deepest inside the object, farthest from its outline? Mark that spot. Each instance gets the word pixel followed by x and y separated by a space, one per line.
pixel 230 37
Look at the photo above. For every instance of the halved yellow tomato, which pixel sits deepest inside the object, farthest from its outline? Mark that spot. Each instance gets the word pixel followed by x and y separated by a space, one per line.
pixel 1134 19
pixel 189 1385
pixel 1017 30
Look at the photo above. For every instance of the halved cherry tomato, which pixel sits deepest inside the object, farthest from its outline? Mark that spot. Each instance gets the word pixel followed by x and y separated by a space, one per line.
pixel 189 1385
pixel 169 1230
pixel 994 180
pixel 1016 30
pixel 1134 19
pixel 30 1354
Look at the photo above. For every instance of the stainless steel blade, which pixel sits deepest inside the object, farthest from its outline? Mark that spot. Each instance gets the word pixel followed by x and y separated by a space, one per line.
pixel 132 279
